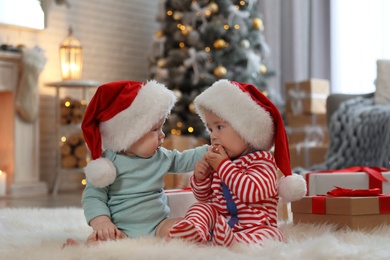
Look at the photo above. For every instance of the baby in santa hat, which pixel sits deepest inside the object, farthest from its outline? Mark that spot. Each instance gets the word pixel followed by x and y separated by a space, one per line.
pixel 236 182
pixel 124 195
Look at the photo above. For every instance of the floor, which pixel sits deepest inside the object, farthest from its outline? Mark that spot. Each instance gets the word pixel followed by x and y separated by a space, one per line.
pixel 65 199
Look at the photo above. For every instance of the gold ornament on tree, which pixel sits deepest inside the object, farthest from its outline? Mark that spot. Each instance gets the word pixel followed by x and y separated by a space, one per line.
pixel 220 44
pixel 161 63
pixel 220 71
pixel 213 7
pixel 257 23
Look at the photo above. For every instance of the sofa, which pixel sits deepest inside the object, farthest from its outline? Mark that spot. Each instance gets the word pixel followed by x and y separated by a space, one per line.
pixel 359 132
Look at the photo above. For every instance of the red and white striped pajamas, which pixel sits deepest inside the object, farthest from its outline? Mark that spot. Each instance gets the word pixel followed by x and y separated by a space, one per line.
pixel 252 181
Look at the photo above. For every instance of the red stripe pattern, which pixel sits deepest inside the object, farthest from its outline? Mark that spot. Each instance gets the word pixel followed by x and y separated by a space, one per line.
pixel 252 180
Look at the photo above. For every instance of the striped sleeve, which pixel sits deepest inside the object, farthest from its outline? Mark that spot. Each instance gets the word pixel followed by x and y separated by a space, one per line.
pixel 256 183
pixel 202 190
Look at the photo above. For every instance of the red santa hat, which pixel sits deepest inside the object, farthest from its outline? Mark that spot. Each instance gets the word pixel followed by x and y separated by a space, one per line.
pixel 258 121
pixel 116 117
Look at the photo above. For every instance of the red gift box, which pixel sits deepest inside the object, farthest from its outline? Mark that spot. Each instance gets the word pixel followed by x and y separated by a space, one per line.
pixel 357 177
pixel 363 212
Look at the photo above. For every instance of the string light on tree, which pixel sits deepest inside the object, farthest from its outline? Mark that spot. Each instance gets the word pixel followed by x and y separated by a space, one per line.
pixel 178 94
pixel 177 16
pixel 191 108
pixel 185 30
pixel 263 69
pixel 159 34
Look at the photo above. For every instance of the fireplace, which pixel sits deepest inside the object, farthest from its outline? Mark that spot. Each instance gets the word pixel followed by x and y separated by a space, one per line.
pixel 19 140
pixel 7 134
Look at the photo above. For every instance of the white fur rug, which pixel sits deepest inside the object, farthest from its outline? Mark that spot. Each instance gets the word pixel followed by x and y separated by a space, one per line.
pixel 39 234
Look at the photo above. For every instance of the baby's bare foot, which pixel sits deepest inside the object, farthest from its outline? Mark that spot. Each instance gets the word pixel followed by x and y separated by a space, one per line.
pixel 70 242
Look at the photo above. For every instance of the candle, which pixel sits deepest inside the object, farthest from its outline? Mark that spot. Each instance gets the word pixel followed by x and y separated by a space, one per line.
pixel 3 183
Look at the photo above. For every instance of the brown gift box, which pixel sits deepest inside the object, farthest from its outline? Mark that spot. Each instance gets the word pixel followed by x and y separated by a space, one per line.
pixel 307 96
pixel 180 143
pixel 306 156
pixel 284 212
pixel 307 134
pixel 305 119
pixel 300 137
pixel 352 212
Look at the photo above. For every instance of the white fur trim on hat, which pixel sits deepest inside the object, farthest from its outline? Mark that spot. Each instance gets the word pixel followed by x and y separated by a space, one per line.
pixel 292 187
pixel 253 123
pixel 100 172
pixel 153 102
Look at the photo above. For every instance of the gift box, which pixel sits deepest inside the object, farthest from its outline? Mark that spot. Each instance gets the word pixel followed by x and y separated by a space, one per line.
pixel 179 201
pixel 298 135
pixel 319 183
pixel 306 119
pixel 284 208
pixel 307 134
pixel 307 96
pixel 352 212
pixel 305 156
pixel 180 143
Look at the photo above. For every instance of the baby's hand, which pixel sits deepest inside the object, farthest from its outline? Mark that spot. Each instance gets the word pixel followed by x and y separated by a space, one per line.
pixel 215 156
pixel 202 170
pixel 94 237
pixel 104 229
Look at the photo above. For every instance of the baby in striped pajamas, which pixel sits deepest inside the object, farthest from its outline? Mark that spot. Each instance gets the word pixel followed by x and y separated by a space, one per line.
pixel 236 181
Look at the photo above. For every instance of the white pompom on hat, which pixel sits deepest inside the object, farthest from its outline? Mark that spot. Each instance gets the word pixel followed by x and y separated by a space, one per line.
pixel 117 116
pixel 258 121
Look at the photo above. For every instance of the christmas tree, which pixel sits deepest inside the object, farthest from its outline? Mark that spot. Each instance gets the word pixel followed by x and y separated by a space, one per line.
pixel 200 42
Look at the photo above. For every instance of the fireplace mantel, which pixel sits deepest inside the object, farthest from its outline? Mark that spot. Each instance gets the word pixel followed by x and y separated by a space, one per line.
pixel 19 140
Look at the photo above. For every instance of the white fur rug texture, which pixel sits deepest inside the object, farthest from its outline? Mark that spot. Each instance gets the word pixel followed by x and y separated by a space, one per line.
pixel 39 233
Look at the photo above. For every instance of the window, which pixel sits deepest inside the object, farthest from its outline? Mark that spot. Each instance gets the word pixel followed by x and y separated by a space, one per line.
pixel 26 13
pixel 360 35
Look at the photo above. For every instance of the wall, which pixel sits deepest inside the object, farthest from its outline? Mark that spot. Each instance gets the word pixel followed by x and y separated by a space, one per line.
pixel 116 37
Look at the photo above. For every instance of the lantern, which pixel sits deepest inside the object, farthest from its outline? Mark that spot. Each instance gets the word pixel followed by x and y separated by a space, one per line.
pixel 71 57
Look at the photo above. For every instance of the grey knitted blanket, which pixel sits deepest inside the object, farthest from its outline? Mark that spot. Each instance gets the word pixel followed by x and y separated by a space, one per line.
pixel 359 132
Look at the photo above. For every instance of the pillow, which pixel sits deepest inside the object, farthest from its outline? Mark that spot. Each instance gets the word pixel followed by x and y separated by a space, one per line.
pixel 382 82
